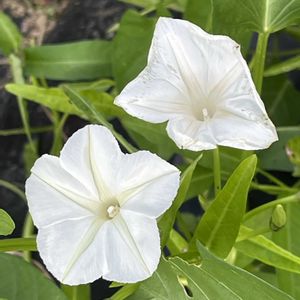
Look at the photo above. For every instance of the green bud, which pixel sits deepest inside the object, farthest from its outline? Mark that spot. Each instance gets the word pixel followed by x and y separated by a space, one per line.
pixel 278 218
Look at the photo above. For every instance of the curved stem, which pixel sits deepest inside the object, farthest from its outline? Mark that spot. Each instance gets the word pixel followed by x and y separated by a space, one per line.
pixel 217 170
pixel 18 244
pixel 273 189
pixel 285 200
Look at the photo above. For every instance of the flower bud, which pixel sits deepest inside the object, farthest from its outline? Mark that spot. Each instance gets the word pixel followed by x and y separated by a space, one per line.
pixel 278 218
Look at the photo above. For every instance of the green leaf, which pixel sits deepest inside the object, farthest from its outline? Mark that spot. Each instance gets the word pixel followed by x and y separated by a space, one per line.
pixel 283 67
pixel 282 101
pixel 152 137
pixel 22 281
pixel 131 46
pixel 264 16
pixel 219 226
pixel 56 99
pixel 200 12
pixel 288 238
pixel 77 292
pixel 10 37
pixel 275 158
pixel 213 279
pixel 167 221
pixel 263 249
pixel 7 224
pixel 72 61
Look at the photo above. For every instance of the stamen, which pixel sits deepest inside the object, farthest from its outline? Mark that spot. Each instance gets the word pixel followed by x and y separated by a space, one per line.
pixel 205 114
pixel 112 211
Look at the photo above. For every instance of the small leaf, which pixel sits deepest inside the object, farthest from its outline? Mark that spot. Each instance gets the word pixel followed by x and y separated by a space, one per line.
pixel 56 99
pixel 263 249
pixel 10 37
pixel 219 226
pixel 7 224
pixel 167 221
pixel 72 61
pixel 21 280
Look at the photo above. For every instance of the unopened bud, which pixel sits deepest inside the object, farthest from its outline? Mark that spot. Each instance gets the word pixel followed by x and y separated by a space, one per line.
pixel 278 218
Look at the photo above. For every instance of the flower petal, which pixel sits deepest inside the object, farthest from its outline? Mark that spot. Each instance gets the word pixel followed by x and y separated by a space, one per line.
pixel 73 250
pixel 132 247
pixel 54 195
pixel 191 134
pixel 238 132
pixel 91 154
pixel 146 183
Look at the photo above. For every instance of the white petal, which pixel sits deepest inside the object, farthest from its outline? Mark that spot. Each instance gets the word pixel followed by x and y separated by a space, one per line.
pixel 54 195
pixel 132 248
pixel 91 154
pixel 73 250
pixel 239 132
pixel 146 183
pixel 191 134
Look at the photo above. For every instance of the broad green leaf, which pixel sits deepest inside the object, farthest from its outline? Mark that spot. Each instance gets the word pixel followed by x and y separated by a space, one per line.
pixel 200 12
pixel 7 224
pixel 275 157
pixel 72 61
pixel 265 250
pixel 282 101
pixel 131 46
pixel 213 279
pixel 283 67
pixel 209 15
pixel 167 221
pixel 219 226
pixel 288 238
pixel 23 281
pixel 264 16
pixel 77 292
pixel 56 99
pixel 152 137
pixel 10 37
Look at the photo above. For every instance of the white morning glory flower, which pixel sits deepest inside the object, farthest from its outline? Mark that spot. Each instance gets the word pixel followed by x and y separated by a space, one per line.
pixel 202 86
pixel 95 208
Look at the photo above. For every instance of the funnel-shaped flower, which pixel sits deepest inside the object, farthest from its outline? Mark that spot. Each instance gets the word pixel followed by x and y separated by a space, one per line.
pixel 95 208
pixel 202 86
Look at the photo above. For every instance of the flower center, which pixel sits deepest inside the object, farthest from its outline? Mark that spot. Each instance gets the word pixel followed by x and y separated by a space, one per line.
pixel 112 210
pixel 205 114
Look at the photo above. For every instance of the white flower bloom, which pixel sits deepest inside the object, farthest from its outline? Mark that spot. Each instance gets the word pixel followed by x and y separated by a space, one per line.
pixel 95 208
pixel 202 86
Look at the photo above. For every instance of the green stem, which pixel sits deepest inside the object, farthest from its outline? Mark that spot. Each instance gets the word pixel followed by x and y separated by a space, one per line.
pixel 18 244
pixel 271 204
pixel 272 189
pixel 13 188
pixel 217 170
pixel 20 131
pixel 271 178
pixel 16 69
pixel 77 292
pixel 58 130
pixel 259 60
pixel 27 233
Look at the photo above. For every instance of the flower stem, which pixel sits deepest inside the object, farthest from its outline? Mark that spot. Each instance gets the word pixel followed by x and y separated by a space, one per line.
pixel 271 177
pixel 273 189
pixel 259 60
pixel 27 233
pixel 217 170
pixel 18 244
pixel 17 72
pixel 285 200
